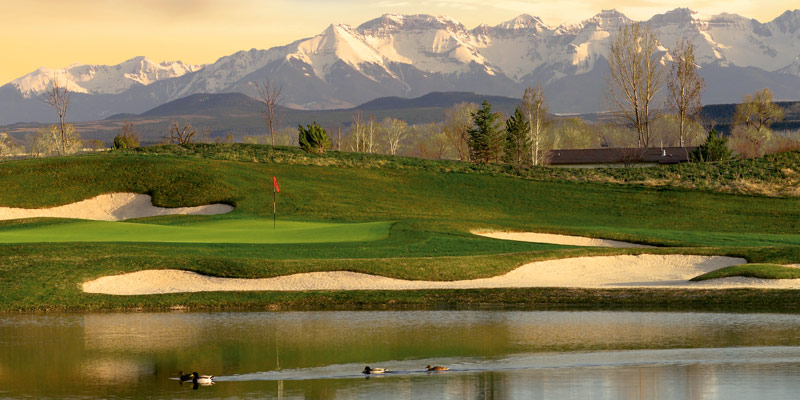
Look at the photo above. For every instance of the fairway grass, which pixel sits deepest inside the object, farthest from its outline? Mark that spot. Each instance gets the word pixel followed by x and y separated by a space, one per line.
pixel 251 230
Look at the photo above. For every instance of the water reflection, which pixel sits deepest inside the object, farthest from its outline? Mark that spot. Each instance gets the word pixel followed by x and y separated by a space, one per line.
pixel 492 354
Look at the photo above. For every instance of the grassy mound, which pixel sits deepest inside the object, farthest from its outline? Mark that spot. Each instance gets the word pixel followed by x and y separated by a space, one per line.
pixel 760 271
pixel 434 205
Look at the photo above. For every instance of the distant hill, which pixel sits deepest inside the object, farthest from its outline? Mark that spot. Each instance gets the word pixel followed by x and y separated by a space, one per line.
pixel 440 100
pixel 237 114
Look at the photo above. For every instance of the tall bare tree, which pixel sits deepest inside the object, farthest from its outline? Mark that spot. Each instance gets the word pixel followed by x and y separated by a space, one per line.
pixel 685 85
pixel 635 77
pixel 357 131
pixel 58 98
pixel 534 107
pixel 178 135
pixel 395 130
pixel 269 94
pixel 457 122
pixel 369 134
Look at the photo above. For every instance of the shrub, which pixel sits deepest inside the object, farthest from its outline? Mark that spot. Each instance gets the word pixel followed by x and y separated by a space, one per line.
pixel 715 148
pixel 313 139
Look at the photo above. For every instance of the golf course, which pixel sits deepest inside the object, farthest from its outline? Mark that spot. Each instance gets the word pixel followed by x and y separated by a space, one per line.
pixel 393 218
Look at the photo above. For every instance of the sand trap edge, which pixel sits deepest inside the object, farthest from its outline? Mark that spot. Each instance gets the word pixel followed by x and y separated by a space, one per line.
pixel 111 207
pixel 550 238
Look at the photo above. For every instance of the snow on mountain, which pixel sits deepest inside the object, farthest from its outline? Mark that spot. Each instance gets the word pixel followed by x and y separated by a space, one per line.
pixel 431 44
pixel 102 79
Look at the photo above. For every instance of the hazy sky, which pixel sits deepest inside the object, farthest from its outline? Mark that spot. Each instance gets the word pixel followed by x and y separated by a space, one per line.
pixel 57 33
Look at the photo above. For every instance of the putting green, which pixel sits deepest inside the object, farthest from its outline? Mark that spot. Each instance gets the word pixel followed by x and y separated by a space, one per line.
pixel 219 231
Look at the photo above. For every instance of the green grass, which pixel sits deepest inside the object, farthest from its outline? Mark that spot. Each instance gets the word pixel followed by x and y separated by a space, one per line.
pixel 761 271
pixel 249 230
pixel 344 202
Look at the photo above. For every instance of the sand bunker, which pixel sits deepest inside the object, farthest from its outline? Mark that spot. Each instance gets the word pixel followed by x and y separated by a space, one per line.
pixel 627 271
pixel 111 207
pixel 558 239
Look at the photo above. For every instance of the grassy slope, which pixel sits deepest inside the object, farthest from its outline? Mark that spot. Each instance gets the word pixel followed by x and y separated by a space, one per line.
pixel 435 210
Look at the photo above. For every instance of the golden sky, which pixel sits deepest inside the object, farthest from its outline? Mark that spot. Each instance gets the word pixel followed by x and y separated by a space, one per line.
pixel 57 33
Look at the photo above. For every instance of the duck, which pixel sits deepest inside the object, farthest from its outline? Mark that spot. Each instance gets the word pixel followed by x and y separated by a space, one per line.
pixel 184 377
pixel 437 368
pixel 368 370
pixel 202 379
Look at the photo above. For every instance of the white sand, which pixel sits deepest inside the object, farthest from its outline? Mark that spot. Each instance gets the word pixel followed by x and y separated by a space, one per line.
pixel 642 271
pixel 558 239
pixel 111 207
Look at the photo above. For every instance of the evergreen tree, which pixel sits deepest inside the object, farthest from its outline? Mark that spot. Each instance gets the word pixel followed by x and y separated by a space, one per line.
pixel 517 141
pixel 714 149
pixel 485 140
pixel 313 139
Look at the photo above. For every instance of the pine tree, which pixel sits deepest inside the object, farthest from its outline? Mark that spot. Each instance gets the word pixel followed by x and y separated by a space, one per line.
pixel 714 149
pixel 485 140
pixel 313 139
pixel 517 141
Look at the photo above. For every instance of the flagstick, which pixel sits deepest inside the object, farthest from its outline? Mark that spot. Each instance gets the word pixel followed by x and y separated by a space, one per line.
pixel 274 209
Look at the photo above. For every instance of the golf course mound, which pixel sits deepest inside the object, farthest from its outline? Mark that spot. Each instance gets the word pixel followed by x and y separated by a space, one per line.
pixel 111 207
pixel 558 239
pixel 625 271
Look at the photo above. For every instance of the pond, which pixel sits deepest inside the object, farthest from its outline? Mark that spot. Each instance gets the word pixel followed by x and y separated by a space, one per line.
pixel 320 355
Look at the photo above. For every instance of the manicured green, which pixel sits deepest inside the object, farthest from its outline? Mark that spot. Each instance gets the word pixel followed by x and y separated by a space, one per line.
pixel 761 271
pixel 395 217
pixel 249 230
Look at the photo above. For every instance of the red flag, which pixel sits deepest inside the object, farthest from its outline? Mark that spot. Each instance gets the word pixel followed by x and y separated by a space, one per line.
pixel 275 182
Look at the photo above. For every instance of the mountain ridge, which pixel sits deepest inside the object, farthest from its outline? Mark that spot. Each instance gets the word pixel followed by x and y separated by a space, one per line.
pixel 411 55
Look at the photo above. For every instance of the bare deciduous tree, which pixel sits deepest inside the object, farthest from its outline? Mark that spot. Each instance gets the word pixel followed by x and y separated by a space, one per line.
pixel 395 130
pixel 369 135
pixel 635 77
pixel 6 145
pixel 357 132
pixel 269 94
pixel 685 85
pixel 58 98
pixel 178 135
pixel 534 106
pixel 457 122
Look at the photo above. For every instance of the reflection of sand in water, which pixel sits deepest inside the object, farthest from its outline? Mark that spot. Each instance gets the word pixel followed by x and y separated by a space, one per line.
pixel 140 332
pixel 115 370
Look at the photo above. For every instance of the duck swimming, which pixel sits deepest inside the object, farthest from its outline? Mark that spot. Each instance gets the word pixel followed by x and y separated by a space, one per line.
pixel 368 370
pixel 184 377
pixel 437 368
pixel 202 379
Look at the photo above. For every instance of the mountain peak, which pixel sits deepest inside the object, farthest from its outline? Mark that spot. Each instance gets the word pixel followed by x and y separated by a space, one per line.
pixel 415 22
pixel 788 22
pixel 678 16
pixel 524 22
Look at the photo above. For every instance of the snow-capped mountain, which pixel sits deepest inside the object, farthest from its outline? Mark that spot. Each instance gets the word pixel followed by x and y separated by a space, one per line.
pixel 102 79
pixel 411 55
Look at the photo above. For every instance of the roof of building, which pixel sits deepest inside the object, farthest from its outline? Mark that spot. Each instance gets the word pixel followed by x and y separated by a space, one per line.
pixel 660 155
